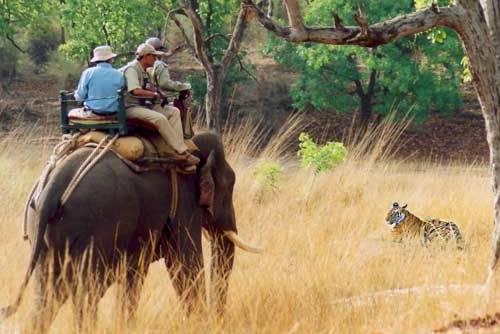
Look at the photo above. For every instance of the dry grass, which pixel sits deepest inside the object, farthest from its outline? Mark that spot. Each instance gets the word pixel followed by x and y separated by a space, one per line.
pixel 325 241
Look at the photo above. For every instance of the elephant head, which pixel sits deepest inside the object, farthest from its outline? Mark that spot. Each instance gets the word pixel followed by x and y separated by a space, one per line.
pixel 216 185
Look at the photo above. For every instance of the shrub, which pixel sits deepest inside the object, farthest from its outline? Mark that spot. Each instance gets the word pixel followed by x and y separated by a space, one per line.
pixel 40 45
pixel 321 158
pixel 269 174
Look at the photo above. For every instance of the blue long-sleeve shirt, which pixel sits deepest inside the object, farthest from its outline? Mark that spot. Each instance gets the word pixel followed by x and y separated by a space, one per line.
pixel 98 88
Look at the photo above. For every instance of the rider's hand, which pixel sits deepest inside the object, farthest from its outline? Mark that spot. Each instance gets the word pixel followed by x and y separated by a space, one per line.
pixel 185 93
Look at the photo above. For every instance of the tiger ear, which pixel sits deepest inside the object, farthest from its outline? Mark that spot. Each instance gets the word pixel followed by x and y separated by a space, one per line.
pixel 395 205
pixel 404 206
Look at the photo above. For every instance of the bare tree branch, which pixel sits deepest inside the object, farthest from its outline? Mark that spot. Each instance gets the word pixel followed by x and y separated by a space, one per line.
pixel 198 38
pixel 236 37
pixel 377 34
pixel 213 36
pixel 361 19
pixel 338 22
pixel 184 35
pixel 14 44
pixel 106 34
pixel 170 15
pixel 294 13
pixel 244 69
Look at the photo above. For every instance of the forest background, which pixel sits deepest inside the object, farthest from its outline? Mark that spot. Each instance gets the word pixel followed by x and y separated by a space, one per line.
pixel 45 45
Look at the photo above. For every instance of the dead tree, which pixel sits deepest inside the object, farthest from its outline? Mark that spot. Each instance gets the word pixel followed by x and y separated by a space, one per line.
pixel 215 69
pixel 477 22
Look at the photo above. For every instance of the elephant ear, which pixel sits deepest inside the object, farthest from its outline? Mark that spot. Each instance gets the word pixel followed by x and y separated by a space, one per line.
pixel 207 184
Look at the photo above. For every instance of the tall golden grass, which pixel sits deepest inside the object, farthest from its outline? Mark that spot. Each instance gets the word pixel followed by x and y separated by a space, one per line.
pixel 329 266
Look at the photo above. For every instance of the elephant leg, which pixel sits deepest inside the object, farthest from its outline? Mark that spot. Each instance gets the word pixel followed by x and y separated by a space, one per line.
pixel 49 296
pixel 221 267
pixel 184 261
pixel 85 304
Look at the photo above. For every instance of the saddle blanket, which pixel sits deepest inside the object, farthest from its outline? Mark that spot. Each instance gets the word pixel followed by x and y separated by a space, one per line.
pixel 135 148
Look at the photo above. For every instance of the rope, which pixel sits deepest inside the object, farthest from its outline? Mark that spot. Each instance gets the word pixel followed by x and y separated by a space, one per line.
pixel 175 193
pixel 26 206
pixel 87 165
pixel 59 152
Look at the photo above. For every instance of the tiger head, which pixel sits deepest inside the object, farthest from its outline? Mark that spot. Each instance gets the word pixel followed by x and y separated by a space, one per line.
pixel 396 215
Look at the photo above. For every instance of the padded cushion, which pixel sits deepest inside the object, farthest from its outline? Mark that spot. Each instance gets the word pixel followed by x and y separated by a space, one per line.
pixel 136 147
pixel 82 116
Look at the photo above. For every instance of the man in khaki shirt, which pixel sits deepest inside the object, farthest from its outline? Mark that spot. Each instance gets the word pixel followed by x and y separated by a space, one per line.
pixel 160 76
pixel 141 95
pixel 159 72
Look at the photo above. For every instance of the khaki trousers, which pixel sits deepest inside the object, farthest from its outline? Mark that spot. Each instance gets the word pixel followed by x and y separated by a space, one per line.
pixel 166 119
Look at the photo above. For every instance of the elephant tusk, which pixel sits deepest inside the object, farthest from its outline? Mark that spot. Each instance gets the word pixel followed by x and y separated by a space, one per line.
pixel 235 239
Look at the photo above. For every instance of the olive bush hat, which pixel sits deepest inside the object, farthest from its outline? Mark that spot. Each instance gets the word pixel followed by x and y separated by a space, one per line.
pixel 156 43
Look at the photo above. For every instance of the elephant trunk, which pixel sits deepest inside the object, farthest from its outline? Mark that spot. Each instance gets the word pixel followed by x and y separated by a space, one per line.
pixel 221 266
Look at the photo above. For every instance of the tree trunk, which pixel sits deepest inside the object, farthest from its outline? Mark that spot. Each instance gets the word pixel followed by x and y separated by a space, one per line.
pixel 213 97
pixel 365 112
pixel 365 105
pixel 482 42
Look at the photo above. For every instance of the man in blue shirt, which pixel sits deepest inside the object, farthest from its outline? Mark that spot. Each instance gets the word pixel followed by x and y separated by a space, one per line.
pixel 99 85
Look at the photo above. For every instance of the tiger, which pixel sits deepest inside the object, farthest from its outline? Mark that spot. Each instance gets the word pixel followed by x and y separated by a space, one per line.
pixel 405 224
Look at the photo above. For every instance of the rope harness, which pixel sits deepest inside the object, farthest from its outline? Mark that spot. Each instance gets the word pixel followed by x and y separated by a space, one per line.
pixel 175 193
pixel 87 165
pixel 61 151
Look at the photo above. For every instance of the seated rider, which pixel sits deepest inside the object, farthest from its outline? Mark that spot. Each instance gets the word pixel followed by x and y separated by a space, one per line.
pixel 139 102
pixel 161 79
pixel 99 85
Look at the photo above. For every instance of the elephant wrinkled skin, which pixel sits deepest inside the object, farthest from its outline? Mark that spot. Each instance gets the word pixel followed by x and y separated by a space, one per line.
pixel 117 216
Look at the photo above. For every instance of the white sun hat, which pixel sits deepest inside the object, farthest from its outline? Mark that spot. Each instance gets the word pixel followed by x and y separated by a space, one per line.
pixel 103 53
pixel 146 49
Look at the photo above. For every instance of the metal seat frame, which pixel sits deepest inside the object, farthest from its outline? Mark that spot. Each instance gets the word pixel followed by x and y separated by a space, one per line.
pixel 68 102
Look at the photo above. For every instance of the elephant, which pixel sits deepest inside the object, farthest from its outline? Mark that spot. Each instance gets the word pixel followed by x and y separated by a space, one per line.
pixel 116 217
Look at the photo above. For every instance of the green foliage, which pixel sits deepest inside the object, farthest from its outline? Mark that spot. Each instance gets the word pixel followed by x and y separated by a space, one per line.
pixel 269 174
pixel 466 74
pixel 321 158
pixel 122 24
pixel 20 14
pixel 19 17
pixel 415 73
pixel 419 4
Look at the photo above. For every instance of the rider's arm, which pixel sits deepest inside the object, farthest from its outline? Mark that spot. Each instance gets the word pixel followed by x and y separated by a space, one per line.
pixel 82 90
pixel 164 81
pixel 139 92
